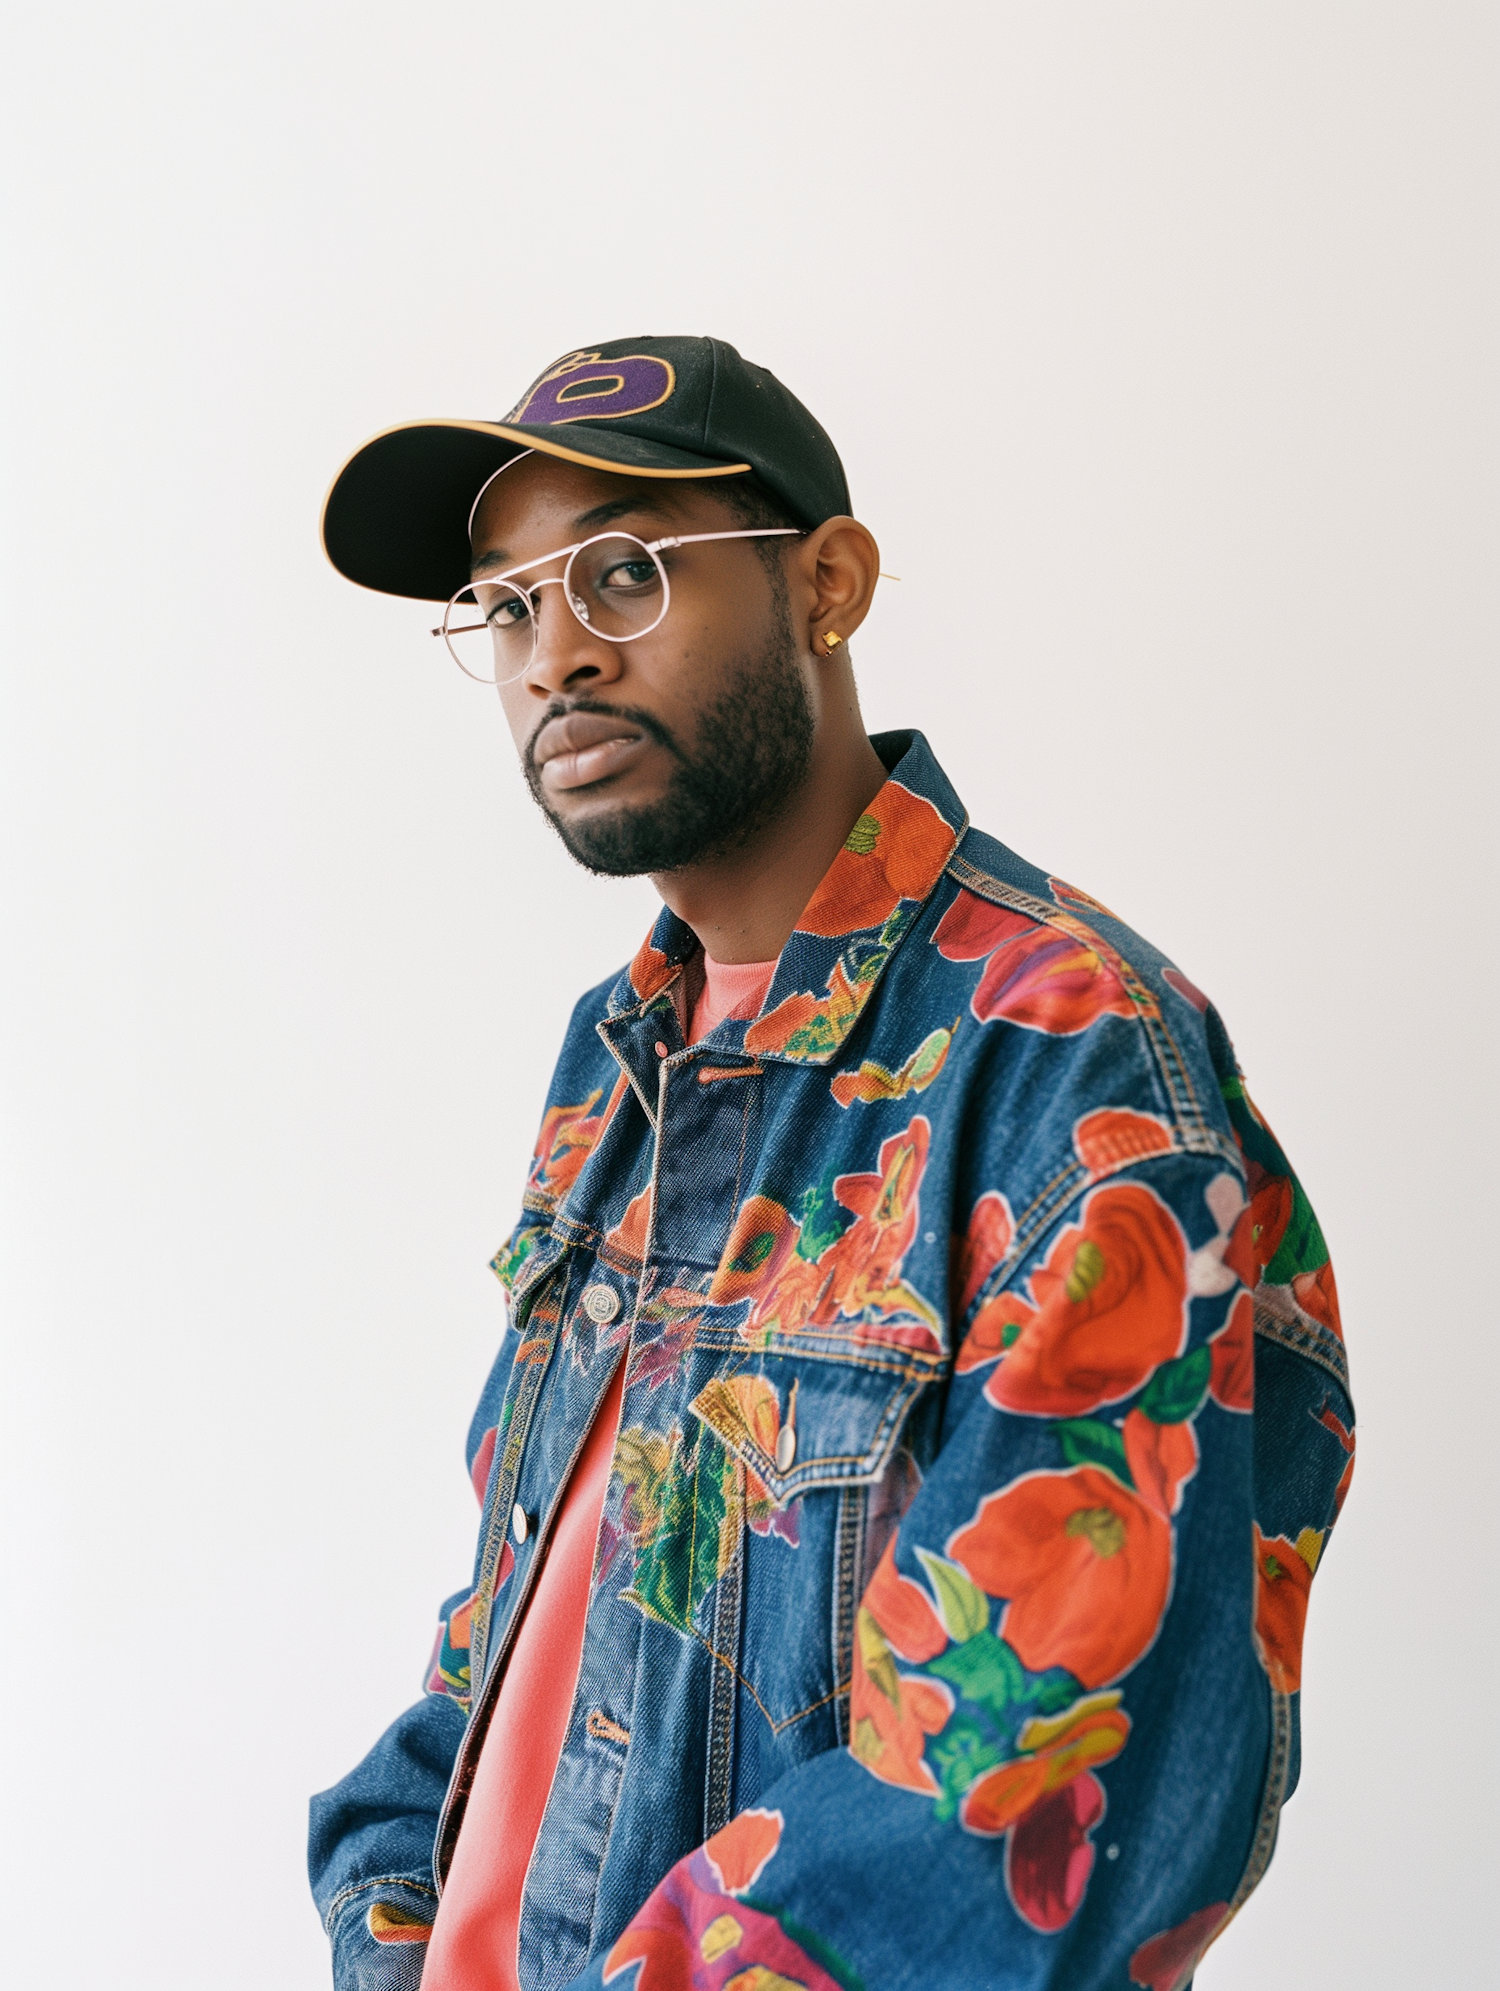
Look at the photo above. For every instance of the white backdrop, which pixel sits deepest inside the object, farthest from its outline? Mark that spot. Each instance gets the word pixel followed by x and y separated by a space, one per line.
pixel 1159 341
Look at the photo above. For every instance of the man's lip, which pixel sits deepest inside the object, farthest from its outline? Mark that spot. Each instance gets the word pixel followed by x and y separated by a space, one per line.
pixel 582 747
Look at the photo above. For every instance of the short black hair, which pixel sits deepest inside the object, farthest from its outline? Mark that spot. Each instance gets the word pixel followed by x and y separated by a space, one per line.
pixel 754 503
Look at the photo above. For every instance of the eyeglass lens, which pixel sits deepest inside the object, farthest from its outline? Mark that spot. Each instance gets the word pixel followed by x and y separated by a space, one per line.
pixel 614 585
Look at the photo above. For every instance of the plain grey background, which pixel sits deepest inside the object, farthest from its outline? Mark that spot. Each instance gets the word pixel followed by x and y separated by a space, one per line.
pixel 1160 343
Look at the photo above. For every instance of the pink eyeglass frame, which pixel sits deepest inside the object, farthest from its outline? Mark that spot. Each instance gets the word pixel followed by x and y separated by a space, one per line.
pixel 569 553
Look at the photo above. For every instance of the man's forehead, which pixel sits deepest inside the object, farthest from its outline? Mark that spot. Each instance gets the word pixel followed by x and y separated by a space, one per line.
pixel 549 497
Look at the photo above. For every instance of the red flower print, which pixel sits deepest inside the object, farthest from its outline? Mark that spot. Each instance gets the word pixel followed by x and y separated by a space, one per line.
pixel 1318 1295
pixel 1051 977
pixel 694 1935
pixel 1231 1381
pixel 972 927
pixel 866 1260
pixel 1049 1855
pixel 895 851
pixel 568 1136
pixel 761 1263
pixel 1168 1961
pixel 650 971
pixel 1162 1458
pixel 1047 1801
pixel 811 1026
pixel 1283 1578
pixel 762 1239
pixel 630 1233
pixel 857 1274
pixel 875 1081
pixel 1108 1139
pixel 1189 991
pixel 1110 1306
pixel 1092 1731
pixel 1069 895
pixel 1085 1563
pixel 740 1853
pixel 996 1327
pixel 891 1714
pixel 1262 1225
pixel 484 1458
pixel 985 1243
pixel 1331 1422
pixel 903 1611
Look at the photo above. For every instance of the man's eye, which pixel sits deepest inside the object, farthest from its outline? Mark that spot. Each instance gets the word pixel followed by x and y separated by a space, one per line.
pixel 508 612
pixel 629 574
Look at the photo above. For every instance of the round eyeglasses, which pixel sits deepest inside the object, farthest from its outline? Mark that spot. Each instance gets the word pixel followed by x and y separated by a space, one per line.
pixel 614 583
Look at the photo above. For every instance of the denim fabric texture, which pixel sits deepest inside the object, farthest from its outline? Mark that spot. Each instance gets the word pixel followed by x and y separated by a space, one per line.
pixel 985 1418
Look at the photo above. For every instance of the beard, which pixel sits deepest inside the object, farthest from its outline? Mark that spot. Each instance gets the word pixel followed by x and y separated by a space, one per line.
pixel 751 754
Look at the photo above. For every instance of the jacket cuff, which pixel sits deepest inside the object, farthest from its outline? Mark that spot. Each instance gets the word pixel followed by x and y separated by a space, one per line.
pixel 379 1932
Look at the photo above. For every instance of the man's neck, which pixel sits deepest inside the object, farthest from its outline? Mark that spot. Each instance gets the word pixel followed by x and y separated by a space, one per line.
pixel 744 905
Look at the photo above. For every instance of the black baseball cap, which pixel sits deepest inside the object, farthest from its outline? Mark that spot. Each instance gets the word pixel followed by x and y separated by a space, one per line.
pixel 397 517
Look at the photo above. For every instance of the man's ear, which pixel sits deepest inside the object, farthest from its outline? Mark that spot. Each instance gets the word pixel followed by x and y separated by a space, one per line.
pixel 840 566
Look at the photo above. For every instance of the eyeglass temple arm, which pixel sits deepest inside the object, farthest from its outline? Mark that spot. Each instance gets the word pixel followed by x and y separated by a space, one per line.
pixel 697 538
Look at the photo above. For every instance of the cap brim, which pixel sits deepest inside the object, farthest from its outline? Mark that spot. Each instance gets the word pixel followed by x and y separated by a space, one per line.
pixel 396 517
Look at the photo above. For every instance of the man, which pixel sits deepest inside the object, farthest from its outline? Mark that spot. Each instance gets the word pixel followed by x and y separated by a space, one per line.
pixel 923 1404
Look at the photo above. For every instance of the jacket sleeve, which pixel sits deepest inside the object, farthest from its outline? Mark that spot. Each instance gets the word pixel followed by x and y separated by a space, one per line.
pixel 1068 1724
pixel 371 1836
pixel 370 1849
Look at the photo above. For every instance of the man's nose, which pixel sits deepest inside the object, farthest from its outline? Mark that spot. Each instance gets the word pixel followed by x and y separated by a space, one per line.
pixel 566 652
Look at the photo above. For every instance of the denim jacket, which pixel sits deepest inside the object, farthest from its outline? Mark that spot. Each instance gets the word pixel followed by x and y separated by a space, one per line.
pixel 985 1418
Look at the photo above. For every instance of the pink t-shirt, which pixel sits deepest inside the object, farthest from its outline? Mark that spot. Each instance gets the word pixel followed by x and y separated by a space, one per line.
pixel 473 1945
pixel 730 988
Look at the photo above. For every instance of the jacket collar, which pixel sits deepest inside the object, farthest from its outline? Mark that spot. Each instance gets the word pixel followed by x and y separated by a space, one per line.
pixel 850 928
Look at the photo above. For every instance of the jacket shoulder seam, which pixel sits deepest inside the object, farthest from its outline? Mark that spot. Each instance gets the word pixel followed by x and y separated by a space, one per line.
pixel 1309 1340
pixel 1190 1122
pixel 1049 1203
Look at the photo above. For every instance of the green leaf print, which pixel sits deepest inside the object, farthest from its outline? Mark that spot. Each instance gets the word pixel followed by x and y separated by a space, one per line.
pixel 1176 1390
pixel 821 1222
pixel 1303 1247
pixel 984 1670
pixel 960 1754
pixel 962 1605
pixel 679 1563
pixel 1088 1441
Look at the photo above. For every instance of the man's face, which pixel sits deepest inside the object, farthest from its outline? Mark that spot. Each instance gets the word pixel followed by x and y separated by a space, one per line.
pixel 652 754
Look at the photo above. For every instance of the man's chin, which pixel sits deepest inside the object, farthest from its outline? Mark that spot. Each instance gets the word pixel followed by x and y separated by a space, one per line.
pixel 612 841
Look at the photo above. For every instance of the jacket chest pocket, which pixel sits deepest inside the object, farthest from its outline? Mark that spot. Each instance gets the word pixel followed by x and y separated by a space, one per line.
pixel 811 1445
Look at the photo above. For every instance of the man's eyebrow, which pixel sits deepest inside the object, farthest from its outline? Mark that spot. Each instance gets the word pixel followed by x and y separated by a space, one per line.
pixel 607 513
pixel 586 522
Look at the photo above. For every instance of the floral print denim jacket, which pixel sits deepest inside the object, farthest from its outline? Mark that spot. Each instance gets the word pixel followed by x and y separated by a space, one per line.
pixel 985 1417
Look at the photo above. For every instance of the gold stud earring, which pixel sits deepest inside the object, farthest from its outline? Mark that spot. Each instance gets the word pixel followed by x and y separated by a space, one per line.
pixel 832 640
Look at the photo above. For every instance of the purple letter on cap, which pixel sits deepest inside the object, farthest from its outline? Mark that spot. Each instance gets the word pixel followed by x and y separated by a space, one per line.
pixel 582 387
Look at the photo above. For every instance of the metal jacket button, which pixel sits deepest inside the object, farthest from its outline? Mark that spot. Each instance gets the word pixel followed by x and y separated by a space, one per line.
pixel 601 1303
pixel 786 1437
pixel 520 1526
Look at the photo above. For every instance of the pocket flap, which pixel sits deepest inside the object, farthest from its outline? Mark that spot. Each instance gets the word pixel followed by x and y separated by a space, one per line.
pixel 529 1253
pixel 797 1425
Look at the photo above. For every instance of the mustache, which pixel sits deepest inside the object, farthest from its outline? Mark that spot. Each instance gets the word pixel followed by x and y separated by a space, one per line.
pixel 559 708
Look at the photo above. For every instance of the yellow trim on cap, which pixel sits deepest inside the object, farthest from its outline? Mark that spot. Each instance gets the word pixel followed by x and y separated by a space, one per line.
pixel 530 441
